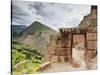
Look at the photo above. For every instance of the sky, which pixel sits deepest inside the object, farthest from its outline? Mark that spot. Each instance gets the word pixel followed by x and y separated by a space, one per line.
pixel 54 15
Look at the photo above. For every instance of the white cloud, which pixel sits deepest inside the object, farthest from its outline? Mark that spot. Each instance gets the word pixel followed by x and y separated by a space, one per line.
pixel 54 15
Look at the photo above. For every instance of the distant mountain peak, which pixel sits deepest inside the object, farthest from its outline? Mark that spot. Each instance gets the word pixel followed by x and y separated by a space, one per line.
pixel 37 35
pixel 37 27
pixel 36 22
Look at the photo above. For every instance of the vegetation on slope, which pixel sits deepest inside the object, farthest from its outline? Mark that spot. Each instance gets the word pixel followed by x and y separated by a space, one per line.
pixel 24 59
pixel 37 35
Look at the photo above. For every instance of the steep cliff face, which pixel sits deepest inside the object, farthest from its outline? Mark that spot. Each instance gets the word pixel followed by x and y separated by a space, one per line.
pixel 89 22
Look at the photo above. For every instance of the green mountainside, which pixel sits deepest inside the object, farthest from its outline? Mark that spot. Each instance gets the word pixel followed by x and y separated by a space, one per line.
pixel 37 35
pixel 24 58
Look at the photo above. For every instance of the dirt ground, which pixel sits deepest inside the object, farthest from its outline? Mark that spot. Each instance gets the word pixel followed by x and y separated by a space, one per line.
pixel 65 67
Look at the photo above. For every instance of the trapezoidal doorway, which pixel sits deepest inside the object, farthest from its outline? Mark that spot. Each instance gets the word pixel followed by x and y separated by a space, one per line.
pixel 78 47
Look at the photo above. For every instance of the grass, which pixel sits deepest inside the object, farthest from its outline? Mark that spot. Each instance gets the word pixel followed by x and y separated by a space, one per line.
pixel 25 59
pixel 29 68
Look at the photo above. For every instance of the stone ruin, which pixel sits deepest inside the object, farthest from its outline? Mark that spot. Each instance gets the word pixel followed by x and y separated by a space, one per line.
pixel 59 49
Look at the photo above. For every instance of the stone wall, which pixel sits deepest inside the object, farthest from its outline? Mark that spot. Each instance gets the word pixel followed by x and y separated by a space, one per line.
pixel 59 48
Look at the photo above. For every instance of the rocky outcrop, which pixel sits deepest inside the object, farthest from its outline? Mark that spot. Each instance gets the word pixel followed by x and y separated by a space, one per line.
pixel 89 22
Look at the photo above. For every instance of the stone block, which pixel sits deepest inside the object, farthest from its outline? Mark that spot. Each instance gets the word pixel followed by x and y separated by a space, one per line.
pixel 90 54
pixel 91 36
pixel 92 45
pixel 66 44
pixel 60 51
pixel 62 59
pixel 67 51
pixel 54 58
pixel 69 58
pixel 52 50
pixel 69 37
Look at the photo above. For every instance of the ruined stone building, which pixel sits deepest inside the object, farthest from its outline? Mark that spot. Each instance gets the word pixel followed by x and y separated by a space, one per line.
pixel 59 48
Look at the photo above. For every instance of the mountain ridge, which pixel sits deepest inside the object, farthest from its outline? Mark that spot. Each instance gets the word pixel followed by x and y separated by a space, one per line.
pixel 37 35
pixel 17 29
